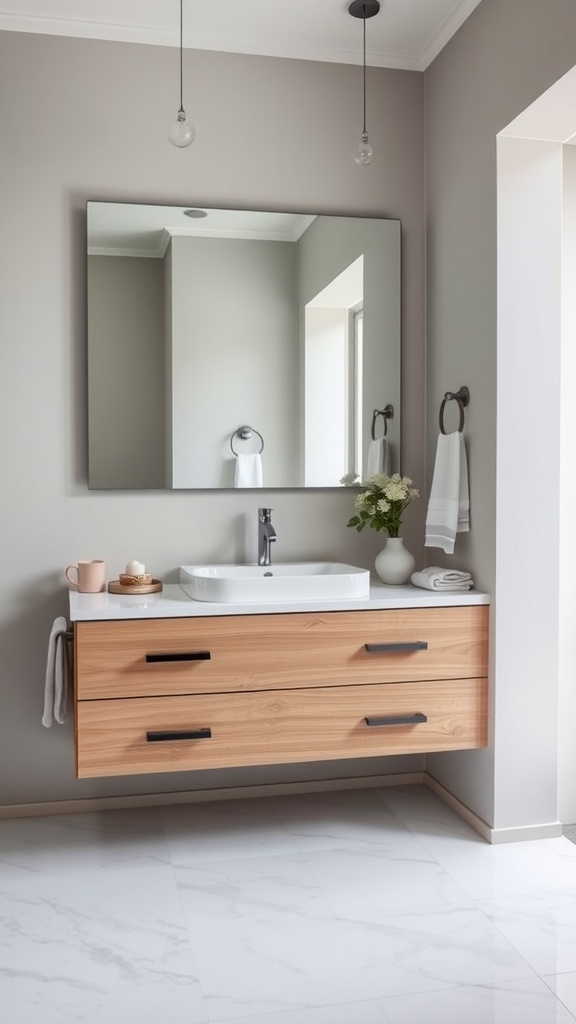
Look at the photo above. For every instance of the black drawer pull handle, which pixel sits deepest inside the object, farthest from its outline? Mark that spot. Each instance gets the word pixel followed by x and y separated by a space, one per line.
pixel 415 719
pixel 180 734
pixel 393 648
pixel 180 656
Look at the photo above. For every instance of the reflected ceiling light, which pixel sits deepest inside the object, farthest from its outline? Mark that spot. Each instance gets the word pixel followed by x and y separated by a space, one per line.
pixel 364 151
pixel 180 132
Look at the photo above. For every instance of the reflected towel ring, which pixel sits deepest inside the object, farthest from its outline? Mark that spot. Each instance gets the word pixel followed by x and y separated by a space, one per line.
pixel 245 433
pixel 386 413
pixel 462 396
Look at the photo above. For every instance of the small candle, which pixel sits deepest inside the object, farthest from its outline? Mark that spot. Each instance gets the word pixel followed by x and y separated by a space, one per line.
pixel 135 569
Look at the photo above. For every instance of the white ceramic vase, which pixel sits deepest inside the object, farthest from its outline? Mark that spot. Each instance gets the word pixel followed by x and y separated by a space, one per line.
pixel 394 564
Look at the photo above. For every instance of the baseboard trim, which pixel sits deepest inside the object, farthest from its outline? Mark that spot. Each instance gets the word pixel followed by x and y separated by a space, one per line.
pixel 111 803
pixel 523 833
pixel 494 836
pixel 477 823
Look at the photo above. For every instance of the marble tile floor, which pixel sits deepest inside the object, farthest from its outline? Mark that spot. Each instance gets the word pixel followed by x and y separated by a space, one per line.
pixel 376 906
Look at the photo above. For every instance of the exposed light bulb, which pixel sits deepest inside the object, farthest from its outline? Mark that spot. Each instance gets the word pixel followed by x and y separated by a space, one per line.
pixel 180 132
pixel 364 152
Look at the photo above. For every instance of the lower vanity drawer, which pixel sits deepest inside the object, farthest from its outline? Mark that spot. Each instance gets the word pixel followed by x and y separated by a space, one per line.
pixel 169 734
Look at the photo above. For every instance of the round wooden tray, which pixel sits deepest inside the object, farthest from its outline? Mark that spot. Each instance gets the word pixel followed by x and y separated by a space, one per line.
pixel 154 587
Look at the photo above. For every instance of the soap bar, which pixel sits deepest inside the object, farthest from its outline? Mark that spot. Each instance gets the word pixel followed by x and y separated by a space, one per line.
pixel 135 569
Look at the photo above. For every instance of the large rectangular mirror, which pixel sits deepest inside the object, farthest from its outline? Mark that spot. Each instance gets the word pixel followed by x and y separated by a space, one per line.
pixel 215 336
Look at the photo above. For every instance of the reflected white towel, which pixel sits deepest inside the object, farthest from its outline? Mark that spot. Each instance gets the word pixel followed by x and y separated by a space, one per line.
pixel 436 578
pixel 378 459
pixel 58 675
pixel 248 470
pixel 449 504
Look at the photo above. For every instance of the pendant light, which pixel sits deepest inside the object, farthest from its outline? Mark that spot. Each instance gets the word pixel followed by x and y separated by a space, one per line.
pixel 180 132
pixel 364 151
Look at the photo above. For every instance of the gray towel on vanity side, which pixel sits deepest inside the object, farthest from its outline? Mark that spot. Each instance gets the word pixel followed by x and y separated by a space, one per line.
pixel 58 675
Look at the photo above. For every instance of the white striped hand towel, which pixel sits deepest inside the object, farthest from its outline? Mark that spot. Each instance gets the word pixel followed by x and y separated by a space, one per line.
pixel 449 504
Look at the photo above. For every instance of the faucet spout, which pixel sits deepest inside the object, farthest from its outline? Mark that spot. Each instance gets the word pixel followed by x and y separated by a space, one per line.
pixel 266 536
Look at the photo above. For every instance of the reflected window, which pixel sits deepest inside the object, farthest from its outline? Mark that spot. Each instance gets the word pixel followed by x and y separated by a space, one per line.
pixel 332 354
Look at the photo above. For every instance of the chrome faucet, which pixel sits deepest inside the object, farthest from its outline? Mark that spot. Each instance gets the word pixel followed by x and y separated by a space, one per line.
pixel 266 536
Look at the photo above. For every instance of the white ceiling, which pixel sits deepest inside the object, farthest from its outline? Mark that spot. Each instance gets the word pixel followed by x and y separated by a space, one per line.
pixel 405 34
pixel 129 229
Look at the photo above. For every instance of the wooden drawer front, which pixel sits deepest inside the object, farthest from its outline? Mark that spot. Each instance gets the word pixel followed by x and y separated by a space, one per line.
pixel 274 728
pixel 256 652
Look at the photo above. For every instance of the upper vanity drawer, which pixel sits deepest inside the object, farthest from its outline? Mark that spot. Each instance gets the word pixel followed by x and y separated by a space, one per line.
pixel 258 652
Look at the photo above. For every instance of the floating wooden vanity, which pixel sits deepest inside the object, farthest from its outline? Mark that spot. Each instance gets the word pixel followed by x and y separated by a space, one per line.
pixel 173 691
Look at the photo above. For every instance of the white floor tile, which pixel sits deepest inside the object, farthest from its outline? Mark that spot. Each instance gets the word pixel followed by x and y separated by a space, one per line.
pixel 564 985
pixel 65 986
pixel 318 821
pixel 361 907
pixel 224 830
pixel 519 1002
pixel 540 925
pixel 72 843
pixel 273 966
pixel 426 814
pixel 369 883
pixel 276 967
pixel 109 946
pixel 257 890
pixel 412 951
pixel 350 1013
pixel 486 871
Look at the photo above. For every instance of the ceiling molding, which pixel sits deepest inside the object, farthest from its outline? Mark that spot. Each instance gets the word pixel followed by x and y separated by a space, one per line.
pixel 76 27
pixel 450 26
pixel 156 36
pixel 141 254
pixel 272 44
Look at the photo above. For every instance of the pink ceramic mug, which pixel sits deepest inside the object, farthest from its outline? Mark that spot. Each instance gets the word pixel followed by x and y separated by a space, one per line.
pixel 90 576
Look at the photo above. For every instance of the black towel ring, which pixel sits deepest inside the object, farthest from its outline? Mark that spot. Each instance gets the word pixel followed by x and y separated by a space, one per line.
pixel 386 413
pixel 245 433
pixel 462 396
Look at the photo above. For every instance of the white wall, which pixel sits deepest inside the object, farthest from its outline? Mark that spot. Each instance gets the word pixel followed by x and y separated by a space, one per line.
pixel 493 69
pixel 567 500
pixel 525 629
pixel 271 134
pixel 325 396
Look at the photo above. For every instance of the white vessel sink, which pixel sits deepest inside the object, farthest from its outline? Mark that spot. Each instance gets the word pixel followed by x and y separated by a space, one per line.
pixel 296 581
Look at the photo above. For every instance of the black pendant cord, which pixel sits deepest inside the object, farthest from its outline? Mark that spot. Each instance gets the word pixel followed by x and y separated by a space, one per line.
pixel 181 73
pixel 364 72
pixel 364 9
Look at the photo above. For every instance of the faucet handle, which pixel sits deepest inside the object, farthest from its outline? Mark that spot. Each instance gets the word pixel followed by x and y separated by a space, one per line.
pixel 265 514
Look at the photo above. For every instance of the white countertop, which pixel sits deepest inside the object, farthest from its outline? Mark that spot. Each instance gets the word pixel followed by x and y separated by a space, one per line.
pixel 174 602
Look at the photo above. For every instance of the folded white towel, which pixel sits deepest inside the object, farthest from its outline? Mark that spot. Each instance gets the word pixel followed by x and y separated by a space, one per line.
pixel 57 687
pixel 449 504
pixel 436 578
pixel 248 470
pixel 378 459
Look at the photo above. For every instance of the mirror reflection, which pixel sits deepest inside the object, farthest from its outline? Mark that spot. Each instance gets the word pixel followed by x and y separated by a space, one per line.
pixel 231 348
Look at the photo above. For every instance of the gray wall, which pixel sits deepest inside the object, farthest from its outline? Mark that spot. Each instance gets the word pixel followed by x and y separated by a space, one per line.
pixel 126 371
pixel 505 55
pixel 233 358
pixel 86 120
